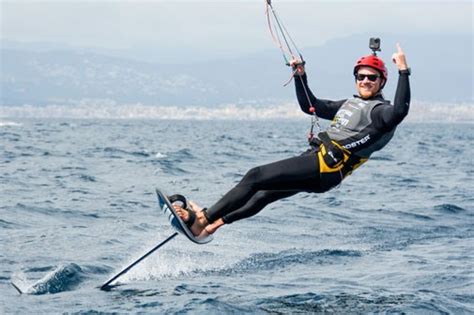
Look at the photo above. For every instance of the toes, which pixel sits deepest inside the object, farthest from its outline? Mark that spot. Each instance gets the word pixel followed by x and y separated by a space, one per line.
pixel 182 213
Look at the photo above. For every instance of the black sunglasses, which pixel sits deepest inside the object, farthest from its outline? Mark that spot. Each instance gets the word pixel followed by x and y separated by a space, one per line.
pixel 371 77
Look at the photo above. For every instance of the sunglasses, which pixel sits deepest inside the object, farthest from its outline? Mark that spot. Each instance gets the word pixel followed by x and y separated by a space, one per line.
pixel 371 77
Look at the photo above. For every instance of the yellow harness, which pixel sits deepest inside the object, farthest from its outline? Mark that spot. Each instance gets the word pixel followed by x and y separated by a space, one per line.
pixel 344 166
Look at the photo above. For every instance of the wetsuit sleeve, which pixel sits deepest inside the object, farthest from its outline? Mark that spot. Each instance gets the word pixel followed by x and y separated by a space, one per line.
pixel 386 117
pixel 325 109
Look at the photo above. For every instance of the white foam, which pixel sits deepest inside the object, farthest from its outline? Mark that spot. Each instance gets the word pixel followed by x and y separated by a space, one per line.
pixel 9 124
pixel 181 259
pixel 166 264
pixel 160 155
pixel 19 279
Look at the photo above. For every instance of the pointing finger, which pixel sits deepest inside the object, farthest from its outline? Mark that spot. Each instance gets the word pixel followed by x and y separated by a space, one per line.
pixel 399 48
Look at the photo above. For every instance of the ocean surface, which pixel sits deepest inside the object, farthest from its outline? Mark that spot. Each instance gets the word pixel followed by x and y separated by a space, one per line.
pixel 77 204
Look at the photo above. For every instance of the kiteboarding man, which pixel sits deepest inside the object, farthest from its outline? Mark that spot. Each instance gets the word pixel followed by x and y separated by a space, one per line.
pixel 360 126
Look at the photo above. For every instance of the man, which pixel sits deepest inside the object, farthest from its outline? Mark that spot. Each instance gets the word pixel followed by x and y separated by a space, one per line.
pixel 360 126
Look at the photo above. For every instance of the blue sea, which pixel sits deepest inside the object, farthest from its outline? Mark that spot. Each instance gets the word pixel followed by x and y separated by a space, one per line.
pixel 77 204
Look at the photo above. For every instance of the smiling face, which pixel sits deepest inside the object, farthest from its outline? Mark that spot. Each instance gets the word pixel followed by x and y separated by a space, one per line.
pixel 368 82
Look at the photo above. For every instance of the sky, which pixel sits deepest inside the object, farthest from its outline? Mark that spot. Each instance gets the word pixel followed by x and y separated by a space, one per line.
pixel 219 28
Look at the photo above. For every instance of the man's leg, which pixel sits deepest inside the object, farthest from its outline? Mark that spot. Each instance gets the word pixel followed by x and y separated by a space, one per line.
pixel 294 174
pixel 258 201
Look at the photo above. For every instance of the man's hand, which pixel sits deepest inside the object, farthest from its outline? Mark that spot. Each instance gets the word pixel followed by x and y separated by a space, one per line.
pixel 298 66
pixel 399 59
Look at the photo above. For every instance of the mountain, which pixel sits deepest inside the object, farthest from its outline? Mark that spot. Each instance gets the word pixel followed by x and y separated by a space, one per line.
pixel 442 70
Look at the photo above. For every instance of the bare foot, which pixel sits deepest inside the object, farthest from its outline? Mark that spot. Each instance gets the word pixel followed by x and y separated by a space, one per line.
pixel 199 224
pixel 194 206
pixel 211 228
pixel 183 214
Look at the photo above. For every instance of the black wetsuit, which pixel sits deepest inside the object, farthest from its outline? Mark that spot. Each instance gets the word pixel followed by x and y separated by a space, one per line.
pixel 305 173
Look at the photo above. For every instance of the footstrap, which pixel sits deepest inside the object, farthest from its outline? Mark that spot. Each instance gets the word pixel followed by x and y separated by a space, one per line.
pixel 184 204
pixel 178 198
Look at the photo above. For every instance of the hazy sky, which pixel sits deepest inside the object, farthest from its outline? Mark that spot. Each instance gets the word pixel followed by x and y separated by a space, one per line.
pixel 222 26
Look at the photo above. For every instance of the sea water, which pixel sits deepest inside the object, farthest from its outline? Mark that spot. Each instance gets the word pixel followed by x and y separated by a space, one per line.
pixel 77 204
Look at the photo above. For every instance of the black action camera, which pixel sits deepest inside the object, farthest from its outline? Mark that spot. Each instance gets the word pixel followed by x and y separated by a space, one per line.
pixel 374 44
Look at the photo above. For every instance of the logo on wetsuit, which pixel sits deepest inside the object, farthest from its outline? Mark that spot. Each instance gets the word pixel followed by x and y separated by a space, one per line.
pixel 357 143
pixel 342 118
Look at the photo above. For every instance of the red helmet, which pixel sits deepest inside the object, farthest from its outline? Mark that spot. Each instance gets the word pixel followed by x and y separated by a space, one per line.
pixel 372 62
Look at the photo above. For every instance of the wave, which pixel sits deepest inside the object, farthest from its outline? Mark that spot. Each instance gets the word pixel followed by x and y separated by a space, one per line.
pixel 56 213
pixel 271 261
pixel 8 225
pixel 256 263
pixel 449 208
pixel 217 306
pixel 363 303
pixel 63 278
pixel 116 152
